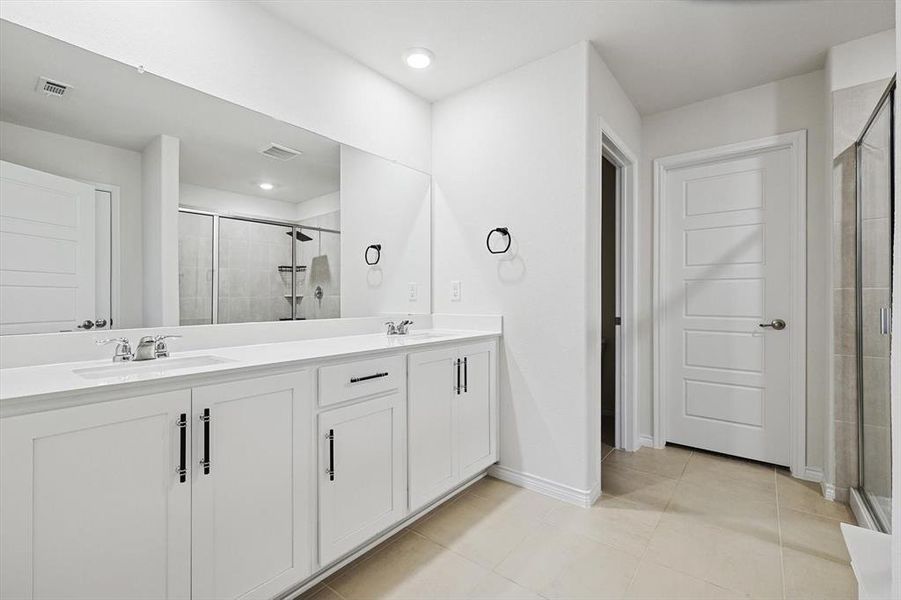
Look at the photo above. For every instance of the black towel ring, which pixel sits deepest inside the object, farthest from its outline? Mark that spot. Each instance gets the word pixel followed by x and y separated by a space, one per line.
pixel 378 254
pixel 503 231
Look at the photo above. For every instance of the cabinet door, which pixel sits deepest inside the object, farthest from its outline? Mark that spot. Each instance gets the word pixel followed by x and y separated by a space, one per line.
pixel 251 506
pixel 362 473
pixel 476 411
pixel 92 504
pixel 432 442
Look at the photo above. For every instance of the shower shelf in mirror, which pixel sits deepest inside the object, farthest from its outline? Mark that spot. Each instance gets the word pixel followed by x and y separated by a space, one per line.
pixel 287 268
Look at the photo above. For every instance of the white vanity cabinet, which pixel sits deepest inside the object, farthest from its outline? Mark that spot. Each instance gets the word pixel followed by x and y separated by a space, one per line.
pixel 252 486
pixel 91 503
pixel 362 454
pixel 452 418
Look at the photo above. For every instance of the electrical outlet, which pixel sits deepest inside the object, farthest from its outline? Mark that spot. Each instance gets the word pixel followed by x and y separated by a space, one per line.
pixel 412 293
pixel 456 291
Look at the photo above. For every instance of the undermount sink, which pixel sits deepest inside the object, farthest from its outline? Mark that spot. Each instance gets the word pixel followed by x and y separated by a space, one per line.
pixel 421 335
pixel 160 365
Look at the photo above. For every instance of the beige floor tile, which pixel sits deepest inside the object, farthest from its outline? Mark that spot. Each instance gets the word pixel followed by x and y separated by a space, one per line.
pixel 807 496
pixel 480 529
pixel 603 572
pixel 724 507
pixel 720 473
pixel 495 587
pixel 812 578
pixel 414 567
pixel 747 562
pixel 813 535
pixel 669 461
pixel 637 486
pixel 613 521
pixel 655 582
pixel 540 558
pixel 321 592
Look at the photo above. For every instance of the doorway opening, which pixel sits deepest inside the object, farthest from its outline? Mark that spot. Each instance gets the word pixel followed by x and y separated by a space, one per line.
pixel 610 293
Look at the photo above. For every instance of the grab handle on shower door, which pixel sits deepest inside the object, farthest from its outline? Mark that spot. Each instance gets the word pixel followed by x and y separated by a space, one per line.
pixel 885 321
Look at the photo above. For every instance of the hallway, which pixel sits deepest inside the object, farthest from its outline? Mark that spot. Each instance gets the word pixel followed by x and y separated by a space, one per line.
pixel 672 523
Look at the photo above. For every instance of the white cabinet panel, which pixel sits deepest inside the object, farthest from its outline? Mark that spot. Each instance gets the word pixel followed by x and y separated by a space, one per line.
pixel 92 505
pixel 362 473
pixel 452 418
pixel 431 404
pixel 251 506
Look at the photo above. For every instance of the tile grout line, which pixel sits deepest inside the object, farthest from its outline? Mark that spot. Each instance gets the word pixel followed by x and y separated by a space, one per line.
pixel 334 591
pixel 656 526
pixel 779 527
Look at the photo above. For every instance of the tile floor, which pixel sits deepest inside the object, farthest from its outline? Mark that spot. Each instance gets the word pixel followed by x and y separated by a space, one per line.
pixel 672 523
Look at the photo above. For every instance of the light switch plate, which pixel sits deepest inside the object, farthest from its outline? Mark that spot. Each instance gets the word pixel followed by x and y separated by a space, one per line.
pixel 412 292
pixel 456 291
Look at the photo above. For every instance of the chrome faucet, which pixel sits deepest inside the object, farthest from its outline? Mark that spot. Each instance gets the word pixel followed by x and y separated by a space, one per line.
pixel 152 347
pixel 123 348
pixel 401 328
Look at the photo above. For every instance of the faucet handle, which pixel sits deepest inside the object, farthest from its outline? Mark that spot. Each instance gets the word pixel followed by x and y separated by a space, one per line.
pixel 392 328
pixel 123 348
pixel 161 349
pixel 404 326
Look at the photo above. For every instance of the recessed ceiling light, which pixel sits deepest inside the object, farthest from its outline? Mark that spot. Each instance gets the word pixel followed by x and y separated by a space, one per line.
pixel 418 58
pixel 266 186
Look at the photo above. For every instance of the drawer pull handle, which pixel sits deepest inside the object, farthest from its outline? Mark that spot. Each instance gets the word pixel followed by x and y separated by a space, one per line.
pixel 457 387
pixel 330 436
pixel 368 377
pixel 182 470
pixel 465 375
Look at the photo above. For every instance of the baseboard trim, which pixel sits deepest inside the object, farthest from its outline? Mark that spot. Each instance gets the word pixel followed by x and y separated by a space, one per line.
pixel 828 490
pixel 646 440
pixel 547 487
pixel 814 474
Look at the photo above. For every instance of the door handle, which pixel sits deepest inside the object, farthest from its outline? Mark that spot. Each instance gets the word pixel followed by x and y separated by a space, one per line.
pixel 100 323
pixel 777 324
pixel 330 436
pixel 465 375
pixel 885 321
pixel 457 387
pixel 86 324
pixel 205 461
pixel 182 470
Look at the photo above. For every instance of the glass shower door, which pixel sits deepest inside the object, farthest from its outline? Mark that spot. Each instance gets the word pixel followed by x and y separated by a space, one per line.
pixel 875 208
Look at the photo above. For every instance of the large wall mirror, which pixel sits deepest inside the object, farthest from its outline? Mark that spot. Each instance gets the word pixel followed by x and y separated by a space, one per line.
pixel 129 200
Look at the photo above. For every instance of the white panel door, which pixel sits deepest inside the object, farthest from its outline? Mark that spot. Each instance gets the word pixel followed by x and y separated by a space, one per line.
pixel 476 404
pixel 725 270
pixel 362 473
pixel 252 486
pixel 91 504
pixel 46 251
pixel 431 411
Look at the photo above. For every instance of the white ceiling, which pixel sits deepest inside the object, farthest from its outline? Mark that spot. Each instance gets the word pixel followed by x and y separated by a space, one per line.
pixel 111 103
pixel 665 53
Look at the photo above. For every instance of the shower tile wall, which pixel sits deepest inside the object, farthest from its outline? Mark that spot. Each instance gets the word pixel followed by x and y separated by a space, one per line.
pixel 851 109
pixel 251 288
pixel 323 268
pixel 195 269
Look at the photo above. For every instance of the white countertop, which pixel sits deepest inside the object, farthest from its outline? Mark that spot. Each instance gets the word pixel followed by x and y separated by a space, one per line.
pixel 43 381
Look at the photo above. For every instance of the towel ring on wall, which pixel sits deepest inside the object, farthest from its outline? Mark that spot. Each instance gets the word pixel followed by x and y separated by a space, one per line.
pixel 503 231
pixel 378 254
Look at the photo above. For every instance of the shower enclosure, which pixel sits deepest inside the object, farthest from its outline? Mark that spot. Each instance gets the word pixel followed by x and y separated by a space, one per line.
pixel 875 212
pixel 241 269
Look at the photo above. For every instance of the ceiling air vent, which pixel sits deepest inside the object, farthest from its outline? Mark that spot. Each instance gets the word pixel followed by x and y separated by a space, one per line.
pixel 280 152
pixel 50 87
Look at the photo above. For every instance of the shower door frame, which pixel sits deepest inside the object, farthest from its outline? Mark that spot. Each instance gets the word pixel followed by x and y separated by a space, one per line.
pixel 294 227
pixel 887 98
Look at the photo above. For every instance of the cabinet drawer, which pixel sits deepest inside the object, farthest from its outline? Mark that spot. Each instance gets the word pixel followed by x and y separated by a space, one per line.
pixel 348 381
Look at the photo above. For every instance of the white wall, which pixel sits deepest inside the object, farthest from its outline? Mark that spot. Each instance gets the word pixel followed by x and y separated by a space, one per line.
pixel 383 203
pixel 518 151
pixel 231 203
pixel 97 163
pixel 862 60
pixel 318 206
pixel 237 51
pixel 781 106
pixel 159 164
